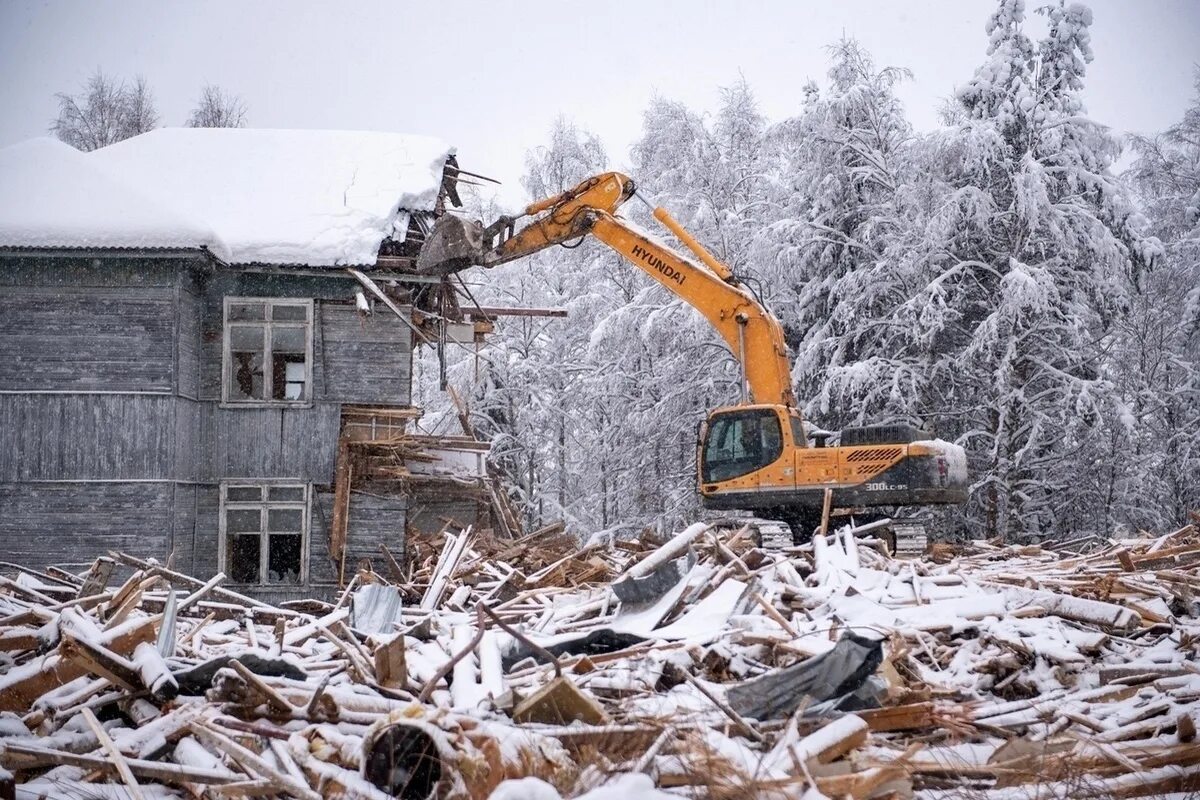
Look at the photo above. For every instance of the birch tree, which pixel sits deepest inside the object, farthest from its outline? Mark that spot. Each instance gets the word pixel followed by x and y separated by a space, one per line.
pixel 106 111
pixel 217 108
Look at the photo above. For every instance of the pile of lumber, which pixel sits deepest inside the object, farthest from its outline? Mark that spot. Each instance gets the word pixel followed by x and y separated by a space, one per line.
pixel 701 665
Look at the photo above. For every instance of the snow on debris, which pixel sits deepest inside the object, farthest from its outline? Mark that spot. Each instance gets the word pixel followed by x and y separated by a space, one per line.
pixel 828 670
pixel 52 195
pixel 317 198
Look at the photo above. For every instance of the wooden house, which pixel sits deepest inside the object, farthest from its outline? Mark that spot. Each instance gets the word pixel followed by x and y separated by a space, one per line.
pixel 184 350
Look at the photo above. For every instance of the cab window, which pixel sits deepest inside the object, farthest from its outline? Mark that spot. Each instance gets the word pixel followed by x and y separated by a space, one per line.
pixel 740 442
pixel 798 436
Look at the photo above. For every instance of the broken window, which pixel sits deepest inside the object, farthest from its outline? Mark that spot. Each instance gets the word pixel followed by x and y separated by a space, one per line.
pixel 264 532
pixel 268 347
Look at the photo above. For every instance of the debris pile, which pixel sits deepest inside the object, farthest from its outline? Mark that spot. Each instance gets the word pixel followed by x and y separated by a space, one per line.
pixel 703 665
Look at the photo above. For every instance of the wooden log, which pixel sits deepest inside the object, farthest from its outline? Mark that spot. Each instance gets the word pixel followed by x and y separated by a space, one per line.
pixel 178 578
pixel 673 548
pixel 154 672
pixel 252 762
pixel 1079 609
pixel 99 660
pixel 274 699
pixel 34 757
pixel 118 758
pixel 745 727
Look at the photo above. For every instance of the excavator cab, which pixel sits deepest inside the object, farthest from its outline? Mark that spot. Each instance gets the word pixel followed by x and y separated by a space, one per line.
pixel 763 458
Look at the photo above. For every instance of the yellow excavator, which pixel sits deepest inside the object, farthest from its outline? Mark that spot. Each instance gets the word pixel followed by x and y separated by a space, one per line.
pixel 758 455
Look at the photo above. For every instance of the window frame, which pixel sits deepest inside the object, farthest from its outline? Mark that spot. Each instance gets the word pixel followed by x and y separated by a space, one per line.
pixel 265 505
pixel 267 323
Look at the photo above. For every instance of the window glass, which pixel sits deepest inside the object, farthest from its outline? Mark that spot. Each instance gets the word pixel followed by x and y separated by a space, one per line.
pixel 238 494
pixel 285 520
pixel 798 435
pixel 288 339
pixel 247 311
pixel 740 442
pixel 267 359
pixel 242 557
pixel 288 312
pixel 265 528
pixel 243 520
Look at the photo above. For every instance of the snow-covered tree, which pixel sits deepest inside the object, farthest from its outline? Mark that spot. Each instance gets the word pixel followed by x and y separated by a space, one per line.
pixel 106 111
pixel 1160 348
pixel 828 250
pixel 1030 256
pixel 217 108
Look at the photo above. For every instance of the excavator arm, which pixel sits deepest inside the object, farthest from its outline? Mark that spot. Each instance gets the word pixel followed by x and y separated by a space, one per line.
pixel 753 335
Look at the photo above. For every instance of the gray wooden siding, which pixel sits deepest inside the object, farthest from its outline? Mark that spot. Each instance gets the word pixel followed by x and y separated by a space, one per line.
pixel 427 515
pixel 191 309
pixel 87 339
pixel 114 371
pixel 364 360
pixel 70 524
pixel 207 530
pixel 89 436
pixel 183 532
pixel 374 518
pixel 192 454
pixel 272 442
pixel 320 568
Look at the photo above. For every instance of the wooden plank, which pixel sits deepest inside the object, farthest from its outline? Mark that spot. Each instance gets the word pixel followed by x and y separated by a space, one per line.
pixel 343 474
pixel 155 770
pixel 832 740
pixel 118 758
pixel 19 688
pixel 914 716
pixel 487 312
pixel 391 666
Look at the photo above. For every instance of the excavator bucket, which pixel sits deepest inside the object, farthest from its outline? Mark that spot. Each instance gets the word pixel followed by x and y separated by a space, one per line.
pixel 453 245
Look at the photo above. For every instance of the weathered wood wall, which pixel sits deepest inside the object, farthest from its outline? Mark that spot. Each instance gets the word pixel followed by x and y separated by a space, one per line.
pixel 87 338
pixel 69 524
pixel 112 434
pixel 85 437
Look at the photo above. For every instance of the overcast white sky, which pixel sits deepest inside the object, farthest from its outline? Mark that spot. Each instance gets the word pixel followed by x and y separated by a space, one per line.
pixel 491 76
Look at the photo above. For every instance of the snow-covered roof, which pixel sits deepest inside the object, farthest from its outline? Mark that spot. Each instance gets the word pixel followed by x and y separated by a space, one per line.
pixel 319 198
pixel 52 195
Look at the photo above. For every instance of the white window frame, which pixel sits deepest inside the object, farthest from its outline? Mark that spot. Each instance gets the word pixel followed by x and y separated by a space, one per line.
pixel 268 324
pixel 265 504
